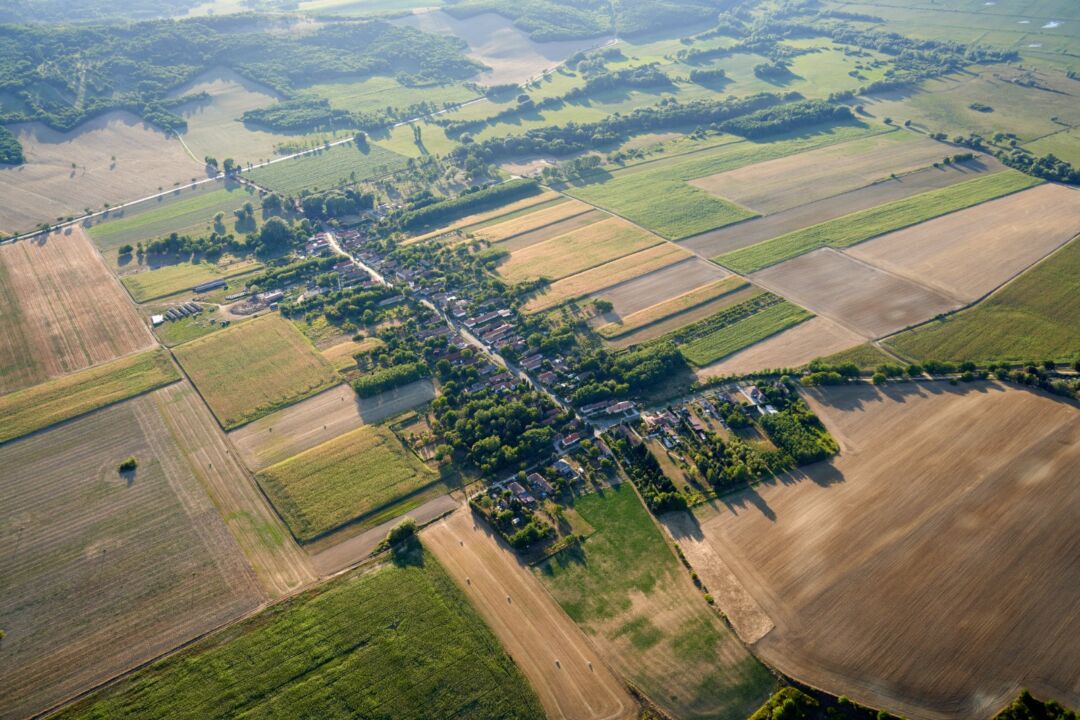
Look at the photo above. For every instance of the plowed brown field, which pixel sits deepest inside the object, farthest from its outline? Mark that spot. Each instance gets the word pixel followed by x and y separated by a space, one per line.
pixel 931 569
pixel 62 310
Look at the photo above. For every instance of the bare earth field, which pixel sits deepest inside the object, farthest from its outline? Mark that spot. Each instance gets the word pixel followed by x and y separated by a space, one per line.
pixel 553 230
pixel 106 571
pixel 863 298
pixel 784 183
pixel 674 322
pixel 47 186
pixel 914 576
pixel 542 218
pixel 969 253
pixel 755 230
pixel 62 311
pixel 311 422
pixel 660 285
pixel 551 651
pixel 817 337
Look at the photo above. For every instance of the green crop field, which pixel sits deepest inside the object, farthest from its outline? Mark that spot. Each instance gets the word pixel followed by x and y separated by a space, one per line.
pixel 343 479
pixel 866 224
pixel 34 408
pixel 325 169
pixel 656 195
pixel 251 369
pixel 721 341
pixel 171 279
pixel 1035 317
pixel 399 641
pixel 626 588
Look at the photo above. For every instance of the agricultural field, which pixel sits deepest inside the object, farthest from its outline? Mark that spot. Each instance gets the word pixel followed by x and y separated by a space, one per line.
pixel 626 589
pixel 861 226
pixel 680 303
pixel 717 337
pixel 552 216
pixel 344 479
pixel 576 251
pixel 1064 144
pixel 328 168
pixel 63 311
pixel 1030 319
pixel 836 556
pixel 292 430
pixel 622 270
pixel 68 172
pixel 150 557
pixel 172 279
pixel 372 94
pixel 398 639
pixel 863 298
pixel 533 203
pixel 791 348
pixel 968 253
pixel 571 680
pixel 654 287
pixel 254 368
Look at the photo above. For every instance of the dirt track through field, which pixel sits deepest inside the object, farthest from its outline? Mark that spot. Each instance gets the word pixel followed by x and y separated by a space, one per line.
pixel 63 310
pixel 528 622
pixel 931 568
pixel 817 337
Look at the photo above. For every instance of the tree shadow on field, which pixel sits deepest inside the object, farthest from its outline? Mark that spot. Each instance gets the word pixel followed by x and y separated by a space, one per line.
pixel 861 397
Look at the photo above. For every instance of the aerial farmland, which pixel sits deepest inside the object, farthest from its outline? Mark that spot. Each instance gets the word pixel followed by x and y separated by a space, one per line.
pixel 652 360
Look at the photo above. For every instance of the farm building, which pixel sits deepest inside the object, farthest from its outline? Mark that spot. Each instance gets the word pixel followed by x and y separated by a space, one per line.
pixel 208 286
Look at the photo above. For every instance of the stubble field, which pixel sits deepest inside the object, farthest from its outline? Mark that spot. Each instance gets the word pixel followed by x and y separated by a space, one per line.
pixel 63 311
pixel 650 288
pixel 792 348
pixel 107 570
pixel 839 558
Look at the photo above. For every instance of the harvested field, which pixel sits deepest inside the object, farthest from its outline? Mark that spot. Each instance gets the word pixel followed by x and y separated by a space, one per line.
pixel 552 231
pixel 792 348
pixel 724 240
pixel 542 218
pixel 674 322
pixel 969 253
pixel 41 406
pixel 625 269
pixel 531 626
pixel 48 187
pixel 397 640
pixel 63 311
pixel 279 563
pixel 861 297
pixel 784 183
pixel 676 305
pixel 254 368
pixel 523 206
pixel 110 570
pixel 575 252
pixel 342 480
pixel 838 557
pixel 172 279
pixel 660 285
pixel 282 434
pixel 625 587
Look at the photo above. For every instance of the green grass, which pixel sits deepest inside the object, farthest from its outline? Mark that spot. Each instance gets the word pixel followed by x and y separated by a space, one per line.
pixel 623 585
pixel 399 641
pixel 172 279
pixel 343 479
pixel 1035 317
pixel 25 411
pixel 866 356
pixel 186 329
pixel 254 368
pixel 375 94
pixel 656 195
pixel 723 341
pixel 866 224
pixel 326 169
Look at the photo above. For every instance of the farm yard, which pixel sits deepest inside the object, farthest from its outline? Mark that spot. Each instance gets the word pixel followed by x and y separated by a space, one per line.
pixel 627 590
pixel 63 310
pixel 254 368
pixel 837 557
pixel 354 475
pixel 330 414
pixel 570 679
pixel 150 558
pixel 327 168
pixel 398 639
pixel 817 337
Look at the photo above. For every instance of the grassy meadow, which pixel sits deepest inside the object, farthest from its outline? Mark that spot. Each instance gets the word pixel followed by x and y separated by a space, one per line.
pixel 172 279
pixel 328 168
pixel 398 641
pixel 40 406
pixel 866 224
pixel 866 356
pixel 343 479
pixel 253 368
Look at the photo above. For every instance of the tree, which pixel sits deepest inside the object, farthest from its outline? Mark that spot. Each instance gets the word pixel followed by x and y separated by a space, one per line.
pixel 229 166
pixel 274 235
pixel 125 249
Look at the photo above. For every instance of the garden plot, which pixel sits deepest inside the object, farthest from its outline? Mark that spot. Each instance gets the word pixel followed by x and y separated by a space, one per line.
pixel 839 557
pixel 107 570
pixel 66 172
pixel 969 253
pixel 62 310
pixel 861 297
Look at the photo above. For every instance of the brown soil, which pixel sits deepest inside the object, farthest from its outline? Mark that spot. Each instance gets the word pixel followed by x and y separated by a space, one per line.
pixel 551 651
pixel 817 337
pixel 551 230
pixel 660 285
